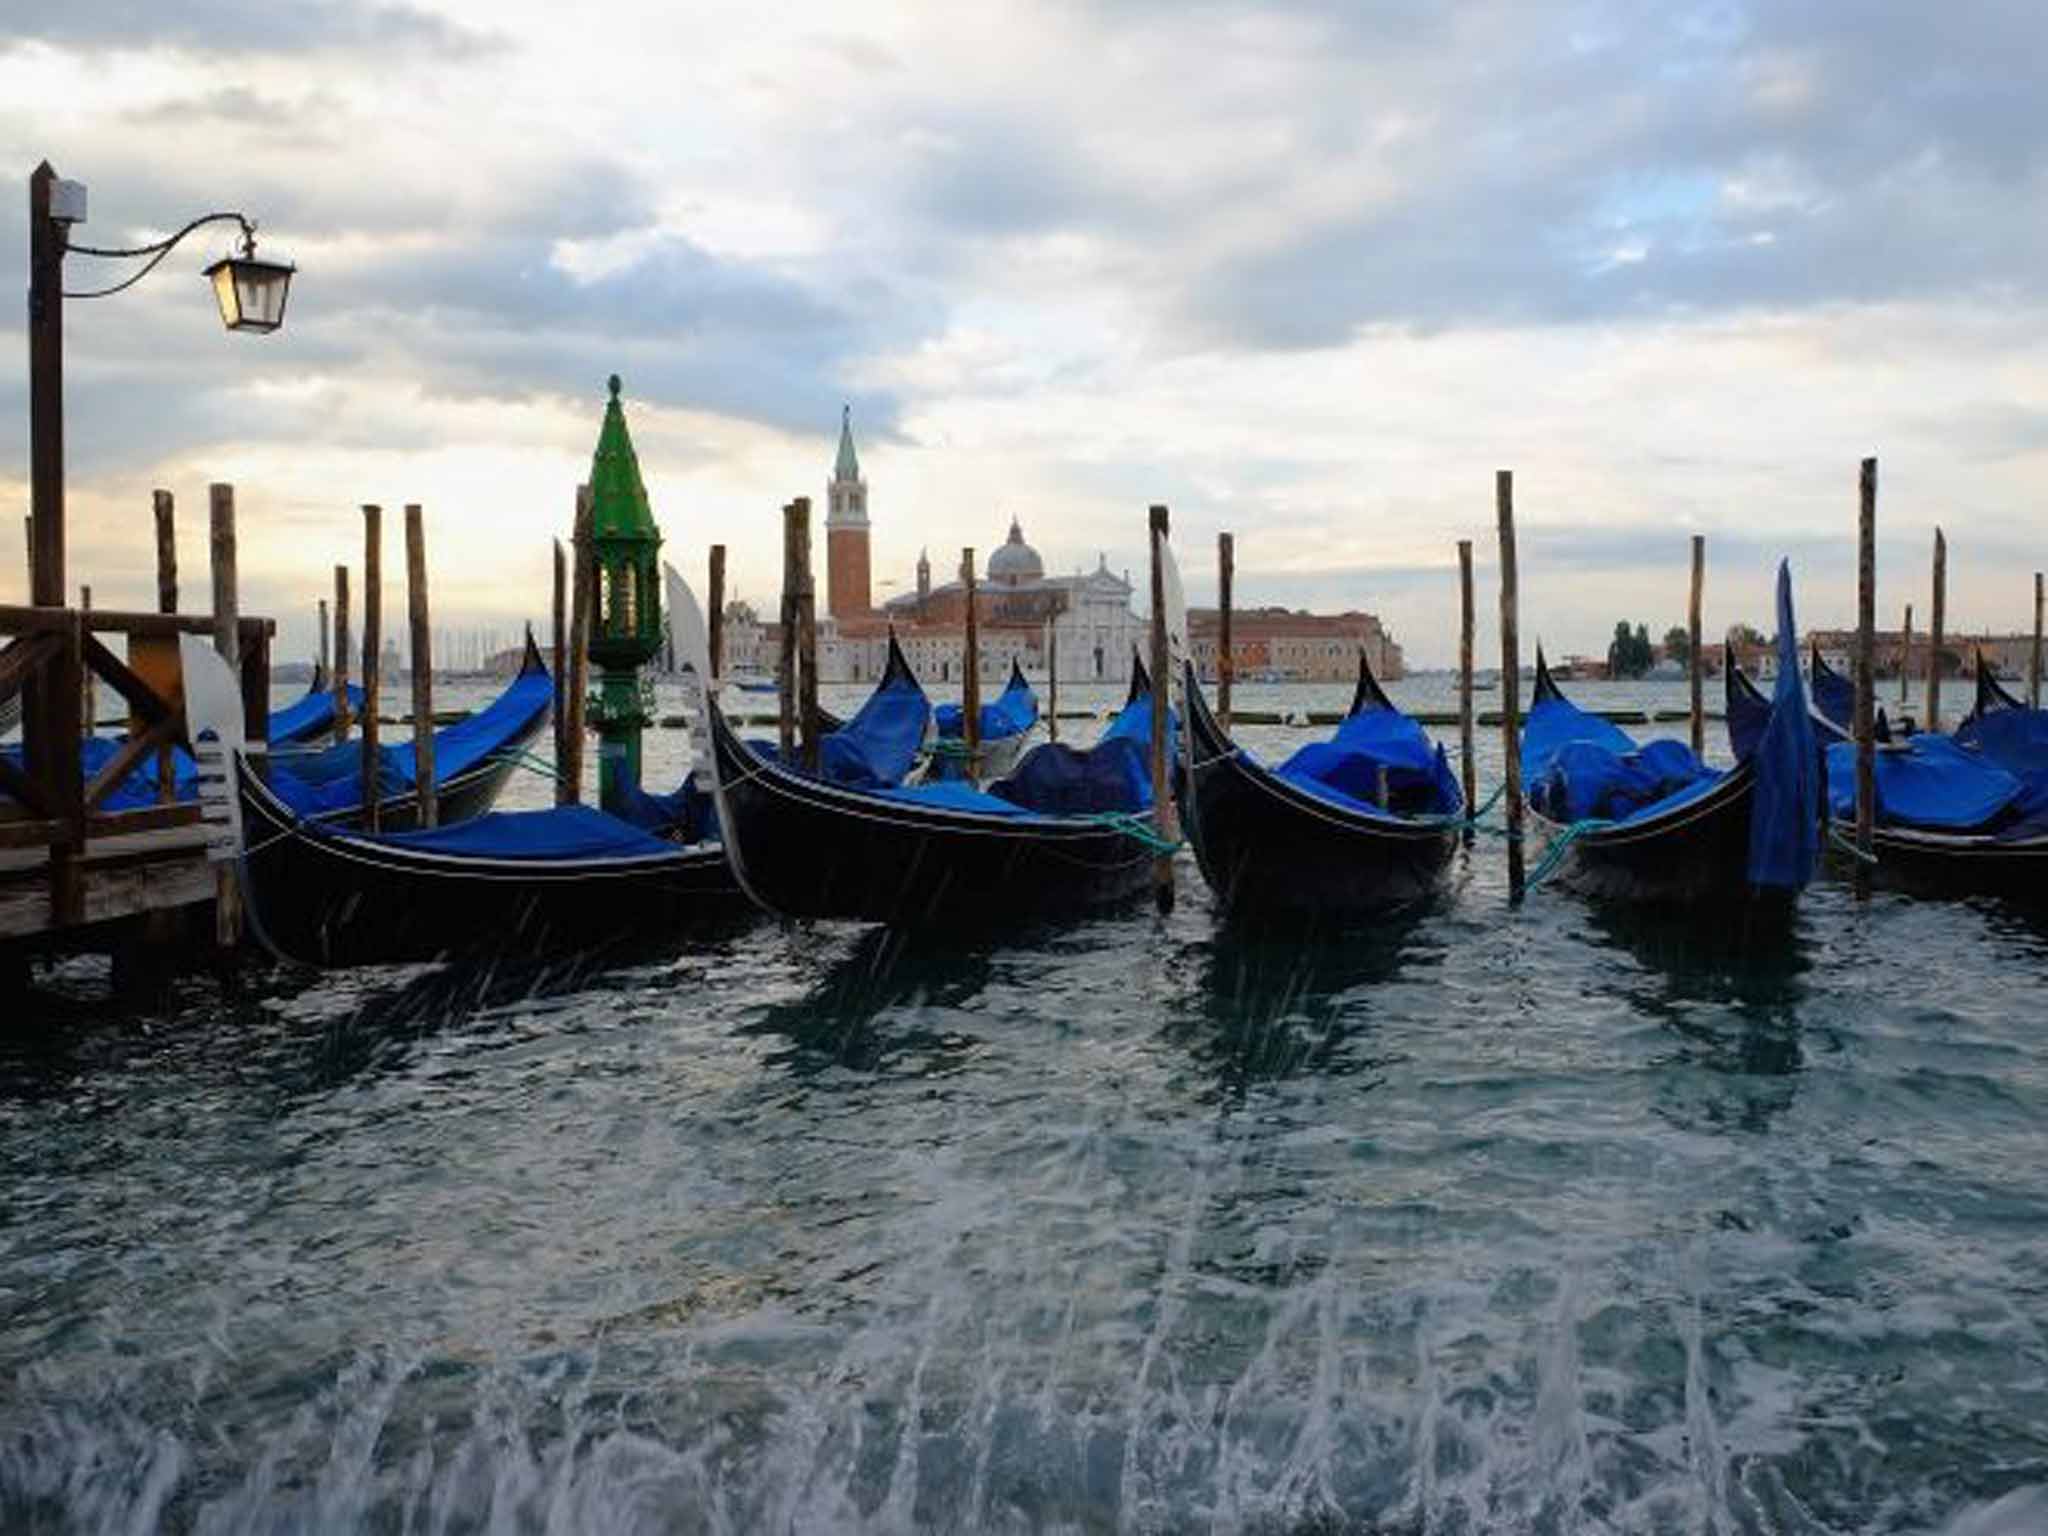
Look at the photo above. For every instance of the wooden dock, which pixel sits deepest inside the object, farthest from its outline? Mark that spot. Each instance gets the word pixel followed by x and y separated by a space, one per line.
pixel 73 871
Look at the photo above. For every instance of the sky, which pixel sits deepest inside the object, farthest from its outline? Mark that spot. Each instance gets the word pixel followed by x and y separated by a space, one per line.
pixel 1308 271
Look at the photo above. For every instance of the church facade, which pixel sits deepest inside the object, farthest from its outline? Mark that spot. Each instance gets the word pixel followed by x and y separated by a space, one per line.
pixel 1025 616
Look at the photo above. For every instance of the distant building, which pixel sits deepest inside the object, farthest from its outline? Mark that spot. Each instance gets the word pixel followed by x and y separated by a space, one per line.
pixel 1286 645
pixel 1022 614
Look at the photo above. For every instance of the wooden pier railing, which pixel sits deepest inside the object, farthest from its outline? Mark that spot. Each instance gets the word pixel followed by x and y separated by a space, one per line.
pixel 46 800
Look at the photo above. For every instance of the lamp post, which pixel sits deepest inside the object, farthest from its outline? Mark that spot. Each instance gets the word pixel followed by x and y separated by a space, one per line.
pixel 250 292
pixel 627 630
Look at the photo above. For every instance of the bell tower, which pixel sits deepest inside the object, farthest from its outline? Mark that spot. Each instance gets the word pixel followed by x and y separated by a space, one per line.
pixel 847 589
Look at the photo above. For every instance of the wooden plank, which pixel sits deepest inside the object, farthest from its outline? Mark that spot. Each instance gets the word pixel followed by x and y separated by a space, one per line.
pixel 131 753
pixel 23 788
pixel 1937 632
pixel 970 674
pixel 1467 759
pixel 1226 658
pixel 143 698
pixel 1158 523
pixel 165 509
pixel 24 656
pixel 17 620
pixel 807 638
pixel 583 580
pixel 1695 668
pixel 715 613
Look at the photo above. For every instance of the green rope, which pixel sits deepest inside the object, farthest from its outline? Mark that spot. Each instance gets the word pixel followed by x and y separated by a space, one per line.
pixel 1559 849
pixel 532 762
pixel 1138 828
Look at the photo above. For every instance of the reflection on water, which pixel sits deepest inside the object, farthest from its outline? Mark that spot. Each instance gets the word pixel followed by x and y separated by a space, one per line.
pixel 1553 1219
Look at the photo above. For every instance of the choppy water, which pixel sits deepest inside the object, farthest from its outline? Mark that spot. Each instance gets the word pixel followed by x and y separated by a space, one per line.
pixel 1496 1221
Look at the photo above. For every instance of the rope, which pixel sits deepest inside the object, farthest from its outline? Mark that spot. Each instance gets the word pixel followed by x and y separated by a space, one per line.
pixel 1560 847
pixel 532 762
pixel 1848 846
pixel 1139 829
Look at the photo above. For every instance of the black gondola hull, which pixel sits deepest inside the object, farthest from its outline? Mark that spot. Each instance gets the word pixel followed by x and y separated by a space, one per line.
pixel 806 848
pixel 1265 846
pixel 1696 852
pixel 337 900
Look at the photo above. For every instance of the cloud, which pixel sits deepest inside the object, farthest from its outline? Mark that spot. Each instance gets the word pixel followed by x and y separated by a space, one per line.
pixel 217 27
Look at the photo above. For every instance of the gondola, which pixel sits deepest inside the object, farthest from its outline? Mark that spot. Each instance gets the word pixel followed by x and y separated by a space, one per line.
pixel 1290 840
pixel 1006 724
pixel 879 746
pixel 310 717
pixel 1752 830
pixel 1962 814
pixel 930 855
pixel 535 882
pixel 472 760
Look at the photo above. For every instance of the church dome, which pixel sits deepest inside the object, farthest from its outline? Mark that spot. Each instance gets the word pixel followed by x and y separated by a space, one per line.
pixel 1015 562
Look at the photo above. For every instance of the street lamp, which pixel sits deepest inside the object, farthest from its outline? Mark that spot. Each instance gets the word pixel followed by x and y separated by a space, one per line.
pixel 250 292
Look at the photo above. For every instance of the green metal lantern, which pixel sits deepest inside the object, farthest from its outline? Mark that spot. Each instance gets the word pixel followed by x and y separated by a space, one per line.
pixel 625 632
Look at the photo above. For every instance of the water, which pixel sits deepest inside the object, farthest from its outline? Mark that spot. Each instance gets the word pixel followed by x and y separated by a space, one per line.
pixel 1491 1222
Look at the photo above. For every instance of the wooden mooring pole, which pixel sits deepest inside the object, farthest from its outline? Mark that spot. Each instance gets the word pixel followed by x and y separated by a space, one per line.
pixel 1694 666
pixel 227 641
pixel 715 615
pixel 422 664
pixel 785 656
pixel 1467 760
pixel 1226 659
pixel 1937 629
pixel 2034 654
pixel 582 581
pixel 1510 678
pixel 1905 654
pixel 88 703
pixel 558 658
pixel 325 665
pixel 970 675
pixel 807 639
pixel 1866 682
pixel 165 509
pixel 1052 679
pixel 373 669
pixel 1160 527
pixel 344 645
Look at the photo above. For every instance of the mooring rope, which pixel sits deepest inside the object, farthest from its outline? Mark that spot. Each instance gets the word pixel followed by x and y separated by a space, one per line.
pixel 532 762
pixel 1137 826
pixel 1848 846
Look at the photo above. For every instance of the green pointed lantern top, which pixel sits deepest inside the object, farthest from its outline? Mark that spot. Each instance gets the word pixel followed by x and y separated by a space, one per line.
pixel 619 510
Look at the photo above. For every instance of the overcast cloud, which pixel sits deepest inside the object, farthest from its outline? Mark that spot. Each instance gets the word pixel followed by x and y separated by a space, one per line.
pixel 1307 271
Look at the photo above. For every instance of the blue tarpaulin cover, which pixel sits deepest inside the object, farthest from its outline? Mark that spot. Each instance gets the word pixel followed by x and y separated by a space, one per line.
pixel 877 748
pixel 563 832
pixel 953 795
pixel 1418 778
pixel 2015 739
pixel 1113 775
pixel 331 782
pixel 1010 713
pixel 1578 766
pixel 1928 782
pixel 1784 820
pixel 310 716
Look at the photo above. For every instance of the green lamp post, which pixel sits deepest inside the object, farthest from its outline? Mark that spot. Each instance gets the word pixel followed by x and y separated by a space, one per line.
pixel 625 548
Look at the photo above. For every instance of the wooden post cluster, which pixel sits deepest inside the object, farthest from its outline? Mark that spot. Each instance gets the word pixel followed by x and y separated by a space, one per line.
pixel 373 638
pixel 1936 631
pixel 582 583
pixel 807 638
pixel 343 643
pixel 227 640
pixel 2034 654
pixel 715 615
pixel 1162 690
pixel 1226 658
pixel 1510 676
pixel 1468 765
pixel 1692 629
pixel 1866 685
pixel 970 674
pixel 422 664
